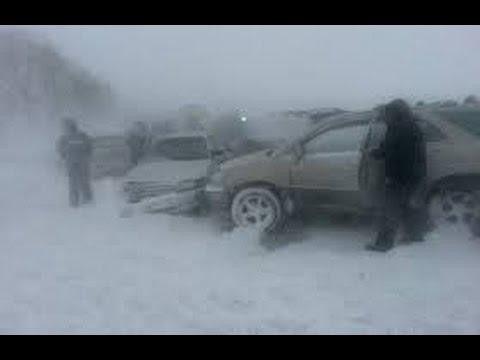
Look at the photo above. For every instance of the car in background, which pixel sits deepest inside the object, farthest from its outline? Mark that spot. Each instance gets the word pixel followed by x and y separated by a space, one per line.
pixel 110 157
pixel 172 175
pixel 330 167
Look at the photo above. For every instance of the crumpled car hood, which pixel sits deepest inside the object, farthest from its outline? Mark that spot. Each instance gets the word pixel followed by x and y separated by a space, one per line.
pixel 169 172
pixel 256 156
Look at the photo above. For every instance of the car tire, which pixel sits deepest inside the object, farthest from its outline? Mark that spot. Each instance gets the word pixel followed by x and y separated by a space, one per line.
pixel 451 206
pixel 259 208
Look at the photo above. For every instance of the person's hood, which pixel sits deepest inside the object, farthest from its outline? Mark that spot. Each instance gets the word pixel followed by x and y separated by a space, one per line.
pixel 169 172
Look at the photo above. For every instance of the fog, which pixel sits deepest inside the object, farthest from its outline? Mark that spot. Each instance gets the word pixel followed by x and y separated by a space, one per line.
pixel 275 67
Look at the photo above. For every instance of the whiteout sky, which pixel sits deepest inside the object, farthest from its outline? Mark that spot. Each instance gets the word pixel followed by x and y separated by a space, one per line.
pixel 276 67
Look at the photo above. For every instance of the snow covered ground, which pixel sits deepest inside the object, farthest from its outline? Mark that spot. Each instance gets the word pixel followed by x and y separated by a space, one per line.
pixel 66 271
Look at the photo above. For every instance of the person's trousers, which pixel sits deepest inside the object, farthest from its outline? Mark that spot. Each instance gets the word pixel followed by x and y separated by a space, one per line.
pixel 80 189
pixel 399 213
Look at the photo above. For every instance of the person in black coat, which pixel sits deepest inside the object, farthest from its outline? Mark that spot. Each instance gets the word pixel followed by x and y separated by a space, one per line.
pixel 75 149
pixel 404 154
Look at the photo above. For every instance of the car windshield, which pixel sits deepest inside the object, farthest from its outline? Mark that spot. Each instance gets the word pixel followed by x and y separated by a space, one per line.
pixel 467 119
pixel 185 148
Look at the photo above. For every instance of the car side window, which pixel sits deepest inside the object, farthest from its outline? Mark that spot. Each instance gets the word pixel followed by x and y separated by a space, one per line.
pixel 430 131
pixel 338 140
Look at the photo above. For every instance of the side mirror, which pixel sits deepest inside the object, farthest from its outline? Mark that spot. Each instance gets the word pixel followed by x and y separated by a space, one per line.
pixel 221 155
pixel 216 153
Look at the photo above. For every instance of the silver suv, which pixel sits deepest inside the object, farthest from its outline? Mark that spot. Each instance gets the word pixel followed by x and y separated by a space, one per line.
pixel 330 167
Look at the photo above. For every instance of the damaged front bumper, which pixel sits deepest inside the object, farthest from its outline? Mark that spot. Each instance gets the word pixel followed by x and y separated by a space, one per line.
pixel 173 203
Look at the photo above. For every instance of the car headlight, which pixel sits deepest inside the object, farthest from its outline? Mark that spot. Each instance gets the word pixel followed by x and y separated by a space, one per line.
pixel 215 179
pixel 215 182
pixel 189 185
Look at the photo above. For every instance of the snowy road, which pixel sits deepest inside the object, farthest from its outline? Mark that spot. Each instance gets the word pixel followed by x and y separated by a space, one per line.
pixel 65 271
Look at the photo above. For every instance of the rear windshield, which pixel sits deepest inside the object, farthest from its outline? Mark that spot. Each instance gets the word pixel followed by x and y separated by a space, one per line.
pixel 468 119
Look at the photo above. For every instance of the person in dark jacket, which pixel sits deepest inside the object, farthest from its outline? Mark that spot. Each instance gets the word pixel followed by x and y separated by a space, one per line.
pixel 404 154
pixel 75 148
pixel 137 141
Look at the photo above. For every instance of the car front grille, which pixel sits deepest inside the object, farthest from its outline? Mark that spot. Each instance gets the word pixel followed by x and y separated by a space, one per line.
pixel 138 191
